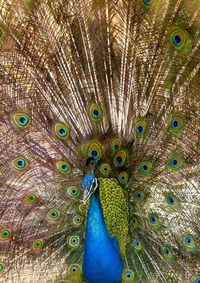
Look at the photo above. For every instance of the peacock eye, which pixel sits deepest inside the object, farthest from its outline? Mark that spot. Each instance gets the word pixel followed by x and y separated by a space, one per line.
pixel 74 269
pixel 189 243
pixel 105 169
pixel 145 167
pixel 140 127
pixel 31 198
pixel 137 245
pixel 95 150
pixel 120 158
pixel 1 267
pixel 5 234
pixel 197 279
pixel 95 112
pixel 172 202
pixel 20 163
pixel 72 191
pixel 147 2
pixel 134 223
pixel 73 241
pixel 128 276
pixel 61 131
pixel 153 220
pixel 53 214
pixel 176 123
pixel 166 252
pixel 179 38
pixel 21 120
pixel 175 163
pixel 123 178
pixel 77 220
pixel 63 167
pixel 116 144
pixel 38 244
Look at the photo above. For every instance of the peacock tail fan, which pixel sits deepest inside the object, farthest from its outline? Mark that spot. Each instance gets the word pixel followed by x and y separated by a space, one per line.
pixel 105 93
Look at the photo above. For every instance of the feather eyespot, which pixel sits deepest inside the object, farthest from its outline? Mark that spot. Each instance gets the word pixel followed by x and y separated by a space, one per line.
pixel 20 163
pixel 31 198
pixel 38 245
pixel 72 191
pixel 21 120
pixel 53 214
pixel 123 178
pixel 5 234
pixel 147 2
pixel 93 150
pixel 179 38
pixel 73 241
pixel 134 223
pixel 188 242
pixel 137 245
pixel 105 169
pixel 120 158
pixel 139 197
pixel 116 144
pixel 166 252
pixel 62 131
pixel 95 113
pixel 74 269
pixel 128 276
pixel 1 267
pixel 140 127
pixel 153 221
pixel 176 124
pixel 63 167
pixel 172 202
pixel 175 163
pixel 145 167
pixel 77 220
pixel 197 279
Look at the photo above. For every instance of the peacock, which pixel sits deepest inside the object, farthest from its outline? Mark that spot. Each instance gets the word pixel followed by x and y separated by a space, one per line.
pixel 99 134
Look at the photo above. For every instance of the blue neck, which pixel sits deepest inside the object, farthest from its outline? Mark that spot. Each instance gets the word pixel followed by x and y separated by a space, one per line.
pixel 102 260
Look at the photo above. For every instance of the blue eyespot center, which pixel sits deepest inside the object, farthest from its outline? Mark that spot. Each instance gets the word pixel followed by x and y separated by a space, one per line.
pixel 197 280
pixel 116 146
pixel 94 153
pixel 174 162
pixel 95 113
pixel 147 2
pixel 62 132
pixel 21 163
pixel 166 251
pixel 177 40
pixel 153 219
pixel 64 167
pixel 175 124
pixel 170 200
pixel 119 159
pixel 54 213
pixel 138 195
pixel 74 191
pixel 139 129
pixel 23 120
pixel 144 168
pixel 188 240
pixel 128 275
pixel 74 269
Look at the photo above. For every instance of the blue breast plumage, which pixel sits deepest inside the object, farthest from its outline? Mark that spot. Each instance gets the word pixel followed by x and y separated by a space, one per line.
pixel 102 259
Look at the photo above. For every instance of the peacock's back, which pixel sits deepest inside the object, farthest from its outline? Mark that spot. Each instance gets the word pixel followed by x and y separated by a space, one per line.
pixel 114 82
